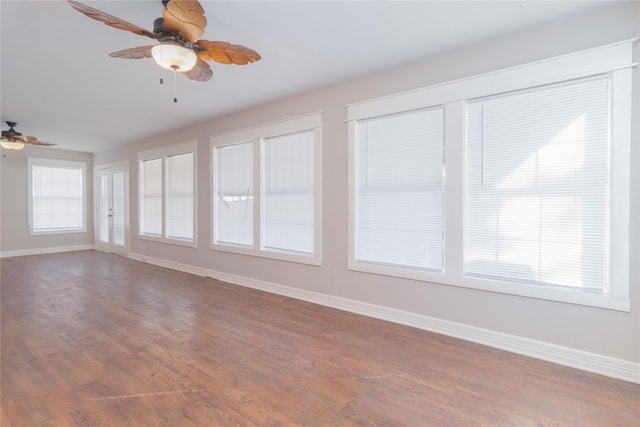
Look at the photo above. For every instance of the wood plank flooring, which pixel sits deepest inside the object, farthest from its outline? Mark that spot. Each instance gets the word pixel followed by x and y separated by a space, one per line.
pixel 91 339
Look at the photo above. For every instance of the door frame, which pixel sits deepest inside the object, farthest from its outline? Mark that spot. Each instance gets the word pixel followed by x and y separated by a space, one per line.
pixel 97 171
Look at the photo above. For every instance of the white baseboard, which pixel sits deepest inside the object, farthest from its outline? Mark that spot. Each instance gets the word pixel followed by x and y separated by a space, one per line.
pixel 42 251
pixel 586 361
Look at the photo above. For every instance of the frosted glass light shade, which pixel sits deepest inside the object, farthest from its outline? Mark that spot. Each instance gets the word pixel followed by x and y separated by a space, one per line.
pixel 174 57
pixel 12 145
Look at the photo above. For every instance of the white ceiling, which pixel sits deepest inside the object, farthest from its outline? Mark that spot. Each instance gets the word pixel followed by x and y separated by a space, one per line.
pixel 59 83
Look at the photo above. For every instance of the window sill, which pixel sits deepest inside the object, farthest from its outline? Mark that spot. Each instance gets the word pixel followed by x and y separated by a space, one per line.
pixel 177 242
pixel 310 259
pixel 57 231
pixel 565 295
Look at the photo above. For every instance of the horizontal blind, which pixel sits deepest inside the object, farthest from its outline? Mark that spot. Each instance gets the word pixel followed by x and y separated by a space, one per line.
pixel 288 192
pixel 233 197
pixel 151 197
pixel 57 198
pixel 399 201
pixel 536 188
pixel 180 197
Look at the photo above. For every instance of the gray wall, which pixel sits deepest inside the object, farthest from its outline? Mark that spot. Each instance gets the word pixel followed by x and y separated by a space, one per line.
pixel 599 331
pixel 14 227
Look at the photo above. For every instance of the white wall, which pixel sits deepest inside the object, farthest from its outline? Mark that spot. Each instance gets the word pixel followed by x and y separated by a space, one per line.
pixel 14 227
pixel 602 332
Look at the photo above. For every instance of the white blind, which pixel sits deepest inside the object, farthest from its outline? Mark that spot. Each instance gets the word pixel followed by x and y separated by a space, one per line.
pixel 399 201
pixel 151 197
pixel 288 192
pixel 234 194
pixel 180 197
pixel 57 198
pixel 536 196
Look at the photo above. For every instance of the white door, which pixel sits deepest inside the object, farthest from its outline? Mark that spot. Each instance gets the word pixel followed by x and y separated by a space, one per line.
pixel 112 209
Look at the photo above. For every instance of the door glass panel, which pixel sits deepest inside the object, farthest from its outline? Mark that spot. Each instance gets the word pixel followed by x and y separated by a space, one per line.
pixel 118 208
pixel 104 208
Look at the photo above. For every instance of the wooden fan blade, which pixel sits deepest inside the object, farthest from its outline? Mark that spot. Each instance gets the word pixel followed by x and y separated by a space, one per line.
pixel 227 53
pixel 41 143
pixel 26 139
pixel 133 53
pixel 201 72
pixel 185 16
pixel 110 20
pixel 31 140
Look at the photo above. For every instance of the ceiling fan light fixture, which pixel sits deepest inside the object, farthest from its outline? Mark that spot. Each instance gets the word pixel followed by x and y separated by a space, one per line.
pixel 174 57
pixel 11 145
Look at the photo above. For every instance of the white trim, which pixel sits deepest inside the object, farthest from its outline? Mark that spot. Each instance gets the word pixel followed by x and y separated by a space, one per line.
pixel 169 240
pixel 299 258
pixel 608 58
pixel 620 199
pixel 121 164
pixel 44 251
pixel 317 195
pixel 566 356
pixel 168 150
pixel 281 127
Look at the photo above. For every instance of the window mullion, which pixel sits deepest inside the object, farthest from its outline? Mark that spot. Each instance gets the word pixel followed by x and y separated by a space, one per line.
pixel 618 259
pixel 454 117
pixel 317 191
pixel 194 174
pixel 163 196
pixel 259 188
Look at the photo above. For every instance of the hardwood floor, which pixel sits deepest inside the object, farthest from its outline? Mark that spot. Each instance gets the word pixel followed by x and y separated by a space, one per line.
pixel 90 339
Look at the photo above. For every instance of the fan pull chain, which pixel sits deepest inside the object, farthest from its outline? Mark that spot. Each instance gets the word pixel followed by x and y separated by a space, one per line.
pixel 161 72
pixel 175 79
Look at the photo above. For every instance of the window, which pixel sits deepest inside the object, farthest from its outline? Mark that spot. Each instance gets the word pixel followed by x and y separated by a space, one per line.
pixel 266 190
pixel 180 197
pixel 151 184
pixel 399 195
pixel 534 197
pixel 536 185
pixel 57 196
pixel 288 192
pixel 234 194
pixel 167 194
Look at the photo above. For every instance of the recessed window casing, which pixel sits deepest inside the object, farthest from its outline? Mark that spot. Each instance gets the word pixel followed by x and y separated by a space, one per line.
pixel 57 196
pixel 167 194
pixel 534 181
pixel 266 184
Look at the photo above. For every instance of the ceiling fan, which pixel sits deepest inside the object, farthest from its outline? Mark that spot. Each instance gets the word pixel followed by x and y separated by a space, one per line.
pixel 14 140
pixel 178 32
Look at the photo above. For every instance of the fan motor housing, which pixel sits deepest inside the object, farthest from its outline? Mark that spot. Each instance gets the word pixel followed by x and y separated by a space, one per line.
pixel 11 133
pixel 166 35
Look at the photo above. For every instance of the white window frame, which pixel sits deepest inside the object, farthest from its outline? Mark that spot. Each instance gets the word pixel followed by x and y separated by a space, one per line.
pixel 189 147
pixel 614 60
pixel 61 164
pixel 255 136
